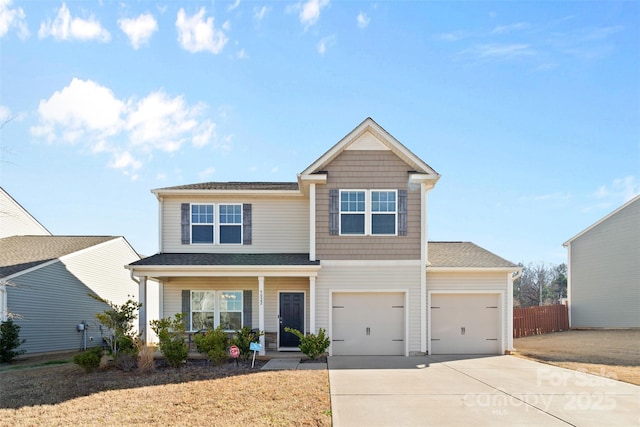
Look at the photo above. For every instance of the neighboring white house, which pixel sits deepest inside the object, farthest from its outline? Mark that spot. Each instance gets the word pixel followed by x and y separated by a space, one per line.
pixel 16 221
pixel 45 280
pixel 343 248
pixel 604 271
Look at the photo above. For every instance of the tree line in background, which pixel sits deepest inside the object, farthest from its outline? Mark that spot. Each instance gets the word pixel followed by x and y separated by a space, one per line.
pixel 540 284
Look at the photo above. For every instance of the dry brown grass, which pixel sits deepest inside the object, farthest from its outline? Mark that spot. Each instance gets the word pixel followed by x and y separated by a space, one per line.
pixel 612 353
pixel 196 394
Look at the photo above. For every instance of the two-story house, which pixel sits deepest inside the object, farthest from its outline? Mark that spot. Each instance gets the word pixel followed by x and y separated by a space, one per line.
pixel 343 248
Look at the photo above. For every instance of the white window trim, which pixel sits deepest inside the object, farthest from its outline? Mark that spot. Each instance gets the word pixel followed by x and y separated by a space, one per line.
pixel 368 232
pixel 191 310
pixel 395 213
pixel 216 224
pixel 216 307
pixel 191 223
pixel 219 311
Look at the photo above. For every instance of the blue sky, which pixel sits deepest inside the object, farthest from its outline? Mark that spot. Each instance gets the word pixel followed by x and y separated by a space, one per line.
pixel 530 111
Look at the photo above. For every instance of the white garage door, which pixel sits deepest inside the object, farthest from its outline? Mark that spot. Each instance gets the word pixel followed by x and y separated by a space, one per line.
pixel 368 324
pixel 464 324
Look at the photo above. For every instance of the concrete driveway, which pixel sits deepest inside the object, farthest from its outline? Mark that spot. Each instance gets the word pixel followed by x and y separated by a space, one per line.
pixel 473 391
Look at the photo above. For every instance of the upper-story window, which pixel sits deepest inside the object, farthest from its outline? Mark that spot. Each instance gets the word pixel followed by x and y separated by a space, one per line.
pixel 230 223
pixel 383 212
pixel 352 212
pixel 208 224
pixel 202 224
pixel 368 212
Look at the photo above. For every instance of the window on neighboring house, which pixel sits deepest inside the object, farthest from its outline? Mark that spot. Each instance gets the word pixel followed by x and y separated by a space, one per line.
pixel 352 212
pixel 230 222
pixel 202 310
pixel 230 310
pixel 383 212
pixel 202 224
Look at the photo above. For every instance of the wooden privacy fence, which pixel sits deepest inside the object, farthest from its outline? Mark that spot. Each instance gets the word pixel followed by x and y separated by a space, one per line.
pixel 540 320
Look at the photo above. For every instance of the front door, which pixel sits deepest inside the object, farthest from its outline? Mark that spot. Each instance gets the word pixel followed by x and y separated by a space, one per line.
pixel 291 316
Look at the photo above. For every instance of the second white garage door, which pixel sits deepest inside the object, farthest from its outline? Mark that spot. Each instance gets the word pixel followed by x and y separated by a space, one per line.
pixel 464 324
pixel 368 324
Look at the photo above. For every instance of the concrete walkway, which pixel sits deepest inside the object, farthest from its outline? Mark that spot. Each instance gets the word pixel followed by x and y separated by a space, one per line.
pixel 473 391
pixel 291 363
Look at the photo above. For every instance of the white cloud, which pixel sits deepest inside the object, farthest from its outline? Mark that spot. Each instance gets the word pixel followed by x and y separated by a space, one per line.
pixel 196 34
pixel 325 43
pixel 64 27
pixel 506 29
pixel 621 190
pixel 309 12
pixel 242 54
pixel 90 115
pixel 233 5
pixel 207 173
pixel 501 51
pixel 12 18
pixel 363 20
pixel 259 13
pixel 82 107
pixel 140 29
pixel 5 113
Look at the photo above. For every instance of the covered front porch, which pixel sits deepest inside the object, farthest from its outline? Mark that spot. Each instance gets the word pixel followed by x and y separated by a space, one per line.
pixel 263 291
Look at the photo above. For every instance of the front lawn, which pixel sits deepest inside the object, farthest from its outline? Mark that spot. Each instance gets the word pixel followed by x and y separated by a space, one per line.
pixel 195 394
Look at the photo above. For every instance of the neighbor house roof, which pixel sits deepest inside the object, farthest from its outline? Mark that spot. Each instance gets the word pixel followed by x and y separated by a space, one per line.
pixel 200 259
pixel 464 255
pixel 19 253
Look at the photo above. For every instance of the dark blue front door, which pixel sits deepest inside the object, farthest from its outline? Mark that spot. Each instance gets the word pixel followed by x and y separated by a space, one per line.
pixel 291 316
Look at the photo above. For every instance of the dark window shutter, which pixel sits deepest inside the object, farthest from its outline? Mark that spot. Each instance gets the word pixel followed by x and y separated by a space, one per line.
pixel 186 307
pixel 334 212
pixel 402 212
pixel 246 224
pixel 246 308
pixel 185 223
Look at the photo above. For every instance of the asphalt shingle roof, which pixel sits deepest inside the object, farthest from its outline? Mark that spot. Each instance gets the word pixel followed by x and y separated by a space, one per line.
pixel 18 253
pixel 465 255
pixel 260 186
pixel 175 259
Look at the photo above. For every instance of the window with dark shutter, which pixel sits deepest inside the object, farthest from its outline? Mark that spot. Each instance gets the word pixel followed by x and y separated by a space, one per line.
pixel 246 309
pixel 334 211
pixel 185 223
pixel 186 306
pixel 246 224
pixel 402 212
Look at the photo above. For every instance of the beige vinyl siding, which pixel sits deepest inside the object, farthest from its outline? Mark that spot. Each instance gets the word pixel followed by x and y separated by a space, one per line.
pixel 605 272
pixel 172 302
pixel 102 267
pixel 173 287
pixel 279 224
pixel 367 170
pixel 371 277
pixel 272 287
pixel 16 221
pixel 476 282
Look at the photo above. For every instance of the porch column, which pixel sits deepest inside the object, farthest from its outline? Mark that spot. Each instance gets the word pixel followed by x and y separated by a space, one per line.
pixel 261 313
pixel 142 313
pixel 312 304
pixel 312 222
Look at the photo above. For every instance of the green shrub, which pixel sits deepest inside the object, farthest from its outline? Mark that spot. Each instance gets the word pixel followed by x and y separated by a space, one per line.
pixel 88 360
pixel 243 339
pixel 312 345
pixel 213 343
pixel 171 333
pixel 9 341
pixel 118 321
